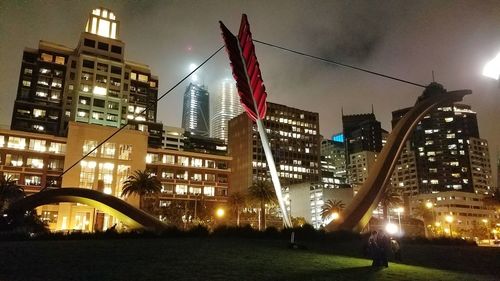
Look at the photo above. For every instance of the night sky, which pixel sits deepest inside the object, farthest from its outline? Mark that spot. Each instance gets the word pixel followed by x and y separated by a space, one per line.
pixel 407 39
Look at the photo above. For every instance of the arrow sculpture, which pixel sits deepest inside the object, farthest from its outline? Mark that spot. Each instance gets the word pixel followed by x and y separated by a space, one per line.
pixel 252 93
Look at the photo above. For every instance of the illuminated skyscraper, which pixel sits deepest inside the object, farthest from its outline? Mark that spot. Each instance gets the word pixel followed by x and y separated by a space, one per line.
pixel 92 83
pixel 226 106
pixel 295 143
pixel 196 110
pixel 448 151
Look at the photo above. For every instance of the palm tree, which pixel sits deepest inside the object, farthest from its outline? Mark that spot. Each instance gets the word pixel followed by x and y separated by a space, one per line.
pixel 236 200
pixel 263 192
pixel 9 192
pixel 141 183
pixel 390 198
pixel 331 207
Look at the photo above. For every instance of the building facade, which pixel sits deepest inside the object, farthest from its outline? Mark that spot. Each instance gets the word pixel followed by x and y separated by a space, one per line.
pixel 333 164
pixel 226 106
pixel 92 83
pixel 196 110
pixel 294 139
pixel 449 154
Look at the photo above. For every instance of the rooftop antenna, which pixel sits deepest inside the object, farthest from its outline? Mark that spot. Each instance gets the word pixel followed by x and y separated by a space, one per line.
pixel 372 109
pixel 433 80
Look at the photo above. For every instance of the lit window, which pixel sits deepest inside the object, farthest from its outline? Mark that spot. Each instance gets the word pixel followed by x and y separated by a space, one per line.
pixel 108 150
pixel 46 57
pixel 88 146
pixel 101 91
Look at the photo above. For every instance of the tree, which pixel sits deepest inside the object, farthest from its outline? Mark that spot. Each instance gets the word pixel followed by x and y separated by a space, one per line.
pixel 9 192
pixel 331 207
pixel 236 200
pixel 390 198
pixel 262 192
pixel 141 183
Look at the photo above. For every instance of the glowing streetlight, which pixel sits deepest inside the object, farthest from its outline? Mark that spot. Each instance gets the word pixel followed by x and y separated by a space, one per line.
pixel 220 213
pixel 335 216
pixel 391 228
pixel 449 219
pixel 429 205
pixel 492 68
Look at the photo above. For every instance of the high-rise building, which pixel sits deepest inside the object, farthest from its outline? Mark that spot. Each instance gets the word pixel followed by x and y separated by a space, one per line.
pixel 362 132
pixel 226 106
pixel 295 143
pixel 333 165
pixel 447 148
pixel 196 110
pixel 363 141
pixel 91 84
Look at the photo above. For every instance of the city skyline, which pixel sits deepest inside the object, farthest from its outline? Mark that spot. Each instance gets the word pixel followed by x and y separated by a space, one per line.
pixel 390 46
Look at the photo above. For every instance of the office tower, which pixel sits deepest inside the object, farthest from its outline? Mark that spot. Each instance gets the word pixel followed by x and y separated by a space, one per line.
pixel 362 132
pixel 226 106
pixel 333 166
pixel 92 83
pixel 196 110
pixel 447 149
pixel 363 141
pixel 295 143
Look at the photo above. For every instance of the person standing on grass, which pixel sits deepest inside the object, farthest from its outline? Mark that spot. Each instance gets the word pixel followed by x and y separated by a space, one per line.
pixel 396 249
pixel 373 248
pixel 383 246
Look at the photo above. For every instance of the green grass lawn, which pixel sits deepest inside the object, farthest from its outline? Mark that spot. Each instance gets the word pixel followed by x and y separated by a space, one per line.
pixel 195 259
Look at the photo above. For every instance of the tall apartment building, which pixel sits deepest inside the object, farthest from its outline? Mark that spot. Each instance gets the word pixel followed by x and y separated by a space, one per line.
pixel 448 151
pixel 333 165
pixel 295 143
pixel 92 83
pixel 225 107
pixel 196 110
pixel 363 141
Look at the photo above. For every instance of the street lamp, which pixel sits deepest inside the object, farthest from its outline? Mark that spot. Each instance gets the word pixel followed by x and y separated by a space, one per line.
pixel 492 68
pixel 399 211
pixel 449 220
pixel 220 213
pixel 391 228
pixel 335 216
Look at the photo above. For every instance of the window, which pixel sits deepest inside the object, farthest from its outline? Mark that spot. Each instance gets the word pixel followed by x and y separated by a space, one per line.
pixel 183 161
pixel 39 113
pixel 125 151
pixel 46 57
pixel 152 84
pixel 38 145
pixel 57 148
pixel 88 64
pixel 181 189
pixel 116 49
pixel 28 71
pixel 36 163
pixel 99 103
pixel 33 180
pixel 96 115
pixel 60 60
pixel 26 83
pixel 133 76
pixel 89 145
pixel 56 82
pixel 108 150
pixel 42 93
pixel 209 191
pixel 113 105
pixel 102 46
pixel 55 164
pixel 89 43
pixel 87 174
pixel 15 160
pixel 43 81
pixel 102 67
pixel 101 79
pixel 116 70
pixel 196 162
